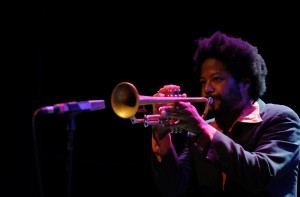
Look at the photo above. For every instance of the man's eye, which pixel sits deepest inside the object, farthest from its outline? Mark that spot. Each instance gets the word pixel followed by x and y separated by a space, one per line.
pixel 217 79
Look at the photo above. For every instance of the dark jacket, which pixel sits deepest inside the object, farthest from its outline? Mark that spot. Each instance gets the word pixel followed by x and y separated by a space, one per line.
pixel 259 159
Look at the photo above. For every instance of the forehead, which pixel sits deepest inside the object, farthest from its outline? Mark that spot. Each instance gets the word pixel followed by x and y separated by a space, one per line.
pixel 213 66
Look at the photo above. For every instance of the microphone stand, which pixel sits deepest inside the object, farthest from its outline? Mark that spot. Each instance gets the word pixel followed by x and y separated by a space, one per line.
pixel 74 108
pixel 71 132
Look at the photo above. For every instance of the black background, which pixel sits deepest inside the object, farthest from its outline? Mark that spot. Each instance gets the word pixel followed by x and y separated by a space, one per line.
pixel 76 52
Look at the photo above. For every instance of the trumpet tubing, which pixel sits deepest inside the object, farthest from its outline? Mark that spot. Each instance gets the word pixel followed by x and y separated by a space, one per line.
pixel 125 100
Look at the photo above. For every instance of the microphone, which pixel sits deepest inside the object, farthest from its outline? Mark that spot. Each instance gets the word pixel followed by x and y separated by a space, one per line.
pixel 72 107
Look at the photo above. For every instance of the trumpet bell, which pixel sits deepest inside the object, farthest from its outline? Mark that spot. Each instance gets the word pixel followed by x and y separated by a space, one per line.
pixel 125 100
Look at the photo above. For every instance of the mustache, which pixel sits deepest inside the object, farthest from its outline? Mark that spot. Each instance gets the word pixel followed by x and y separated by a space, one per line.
pixel 215 97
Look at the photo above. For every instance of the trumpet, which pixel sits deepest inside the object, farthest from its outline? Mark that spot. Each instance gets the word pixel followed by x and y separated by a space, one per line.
pixel 126 101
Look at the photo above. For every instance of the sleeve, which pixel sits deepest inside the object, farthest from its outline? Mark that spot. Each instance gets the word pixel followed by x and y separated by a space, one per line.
pixel 173 174
pixel 269 151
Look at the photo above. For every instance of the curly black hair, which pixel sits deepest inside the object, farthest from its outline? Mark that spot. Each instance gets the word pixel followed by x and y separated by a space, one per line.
pixel 241 59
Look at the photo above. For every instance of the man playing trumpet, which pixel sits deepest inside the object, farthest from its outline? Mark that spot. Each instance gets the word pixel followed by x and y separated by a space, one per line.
pixel 248 148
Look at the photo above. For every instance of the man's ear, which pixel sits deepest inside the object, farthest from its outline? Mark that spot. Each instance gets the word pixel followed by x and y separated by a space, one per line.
pixel 245 83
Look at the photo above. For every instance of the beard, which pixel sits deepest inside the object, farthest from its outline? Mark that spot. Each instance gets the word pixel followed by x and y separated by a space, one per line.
pixel 227 103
